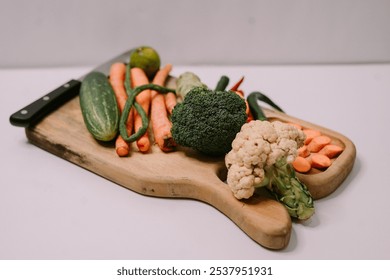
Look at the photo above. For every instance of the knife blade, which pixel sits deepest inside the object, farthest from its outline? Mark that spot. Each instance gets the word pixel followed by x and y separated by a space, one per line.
pixel 37 110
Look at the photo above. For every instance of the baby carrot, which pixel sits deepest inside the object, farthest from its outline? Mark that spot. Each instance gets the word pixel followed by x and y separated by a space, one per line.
pixel 138 78
pixel 117 78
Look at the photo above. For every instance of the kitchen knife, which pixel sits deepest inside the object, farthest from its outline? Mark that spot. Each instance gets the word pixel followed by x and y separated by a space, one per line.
pixel 34 112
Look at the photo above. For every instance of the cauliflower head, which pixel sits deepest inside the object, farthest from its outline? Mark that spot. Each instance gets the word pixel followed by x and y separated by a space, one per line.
pixel 258 146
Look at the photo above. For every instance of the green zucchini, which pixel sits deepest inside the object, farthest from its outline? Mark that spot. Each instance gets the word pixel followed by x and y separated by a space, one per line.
pixel 99 107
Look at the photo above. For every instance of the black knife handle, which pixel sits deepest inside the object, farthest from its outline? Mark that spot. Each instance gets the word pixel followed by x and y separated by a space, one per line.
pixel 34 112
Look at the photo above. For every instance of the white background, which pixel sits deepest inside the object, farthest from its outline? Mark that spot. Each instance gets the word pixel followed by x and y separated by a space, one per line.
pixel 322 61
pixel 83 32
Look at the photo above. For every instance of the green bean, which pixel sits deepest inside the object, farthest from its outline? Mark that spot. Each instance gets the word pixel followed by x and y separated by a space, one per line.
pixel 131 102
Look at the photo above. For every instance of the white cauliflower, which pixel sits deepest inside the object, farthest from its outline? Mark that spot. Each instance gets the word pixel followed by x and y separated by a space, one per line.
pixel 261 155
pixel 259 144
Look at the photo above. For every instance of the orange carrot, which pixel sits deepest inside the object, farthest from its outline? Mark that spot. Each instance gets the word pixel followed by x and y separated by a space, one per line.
pixel 318 150
pixel 159 115
pixel 310 134
pixel 331 150
pixel 301 164
pixel 138 78
pixel 235 89
pixel 117 78
pixel 303 151
pixel 317 143
pixel 170 101
pixel 320 161
pixel 122 148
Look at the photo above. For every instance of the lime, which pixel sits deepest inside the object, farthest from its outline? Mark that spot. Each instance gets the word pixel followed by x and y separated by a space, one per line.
pixel 147 59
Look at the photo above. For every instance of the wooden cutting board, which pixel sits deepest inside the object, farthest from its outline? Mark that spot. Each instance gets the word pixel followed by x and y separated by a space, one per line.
pixel 184 173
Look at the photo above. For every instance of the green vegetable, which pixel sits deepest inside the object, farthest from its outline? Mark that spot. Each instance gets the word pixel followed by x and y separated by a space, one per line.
pixel 208 121
pixel 222 83
pixel 187 81
pixel 131 102
pixel 280 178
pixel 99 107
pixel 254 107
pixel 288 190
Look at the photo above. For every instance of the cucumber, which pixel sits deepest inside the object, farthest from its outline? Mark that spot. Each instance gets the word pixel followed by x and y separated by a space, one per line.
pixel 99 107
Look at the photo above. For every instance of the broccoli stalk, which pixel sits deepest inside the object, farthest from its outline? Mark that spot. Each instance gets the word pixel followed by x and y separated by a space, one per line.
pixel 286 187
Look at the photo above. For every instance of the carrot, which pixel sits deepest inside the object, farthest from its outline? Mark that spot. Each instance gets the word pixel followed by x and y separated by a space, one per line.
pixel 301 164
pixel 159 115
pixel 320 161
pixel 138 78
pixel 170 101
pixel 317 143
pixel 310 134
pixel 122 148
pixel 117 78
pixel 318 150
pixel 303 151
pixel 331 150
pixel 235 89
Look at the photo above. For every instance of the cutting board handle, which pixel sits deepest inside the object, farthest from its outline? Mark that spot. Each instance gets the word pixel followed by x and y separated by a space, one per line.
pixel 262 218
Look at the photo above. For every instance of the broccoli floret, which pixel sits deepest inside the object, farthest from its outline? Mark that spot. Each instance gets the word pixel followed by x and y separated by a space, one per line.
pixel 208 121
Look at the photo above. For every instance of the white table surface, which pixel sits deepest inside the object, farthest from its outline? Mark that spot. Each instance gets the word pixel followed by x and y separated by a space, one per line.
pixel 53 209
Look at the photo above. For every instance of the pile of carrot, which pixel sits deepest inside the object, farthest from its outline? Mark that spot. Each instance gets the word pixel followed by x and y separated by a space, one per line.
pixel 318 151
pixel 157 106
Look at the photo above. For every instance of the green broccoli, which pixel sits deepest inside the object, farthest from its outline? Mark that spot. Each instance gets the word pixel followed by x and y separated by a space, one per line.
pixel 208 121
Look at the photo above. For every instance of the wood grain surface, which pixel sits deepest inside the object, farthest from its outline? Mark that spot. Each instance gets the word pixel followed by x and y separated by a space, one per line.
pixel 184 173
